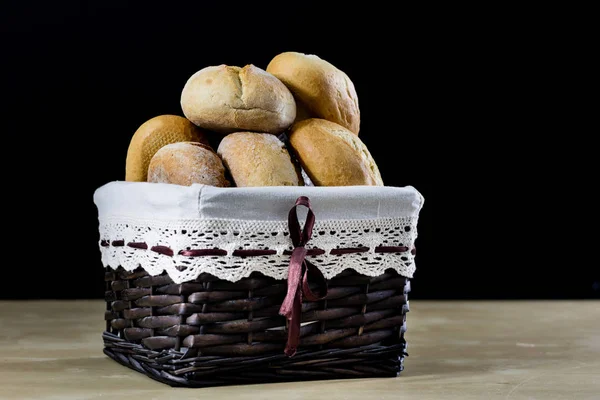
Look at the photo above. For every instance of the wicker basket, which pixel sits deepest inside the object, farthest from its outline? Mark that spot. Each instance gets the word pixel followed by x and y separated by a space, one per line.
pixel 209 331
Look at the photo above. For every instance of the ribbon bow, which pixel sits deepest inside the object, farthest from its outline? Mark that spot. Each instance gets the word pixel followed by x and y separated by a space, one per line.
pixel 299 273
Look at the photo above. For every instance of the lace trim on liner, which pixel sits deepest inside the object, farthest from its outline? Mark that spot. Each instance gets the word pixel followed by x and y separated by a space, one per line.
pixel 232 249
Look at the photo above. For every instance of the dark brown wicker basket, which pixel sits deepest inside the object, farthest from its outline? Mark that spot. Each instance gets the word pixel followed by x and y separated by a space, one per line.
pixel 211 332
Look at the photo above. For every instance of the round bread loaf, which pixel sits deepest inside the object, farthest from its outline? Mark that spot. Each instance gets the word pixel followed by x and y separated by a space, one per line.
pixel 323 89
pixel 258 159
pixel 331 155
pixel 186 163
pixel 151 136
pixel 227 99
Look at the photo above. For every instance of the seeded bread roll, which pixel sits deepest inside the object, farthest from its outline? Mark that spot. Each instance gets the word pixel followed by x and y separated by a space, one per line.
pixel 186 163
pixel 316 84
pixel 154 134
pixel 258 159
pixel 331 155
pixel 227 99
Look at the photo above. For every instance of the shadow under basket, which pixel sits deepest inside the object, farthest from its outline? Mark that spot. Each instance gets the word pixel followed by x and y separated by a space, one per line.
pixel 212 332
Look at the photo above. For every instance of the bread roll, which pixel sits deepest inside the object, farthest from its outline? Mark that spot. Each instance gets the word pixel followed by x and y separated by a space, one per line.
pixel 331 155
pixel 227 99
pixel 151 136
pixel 258 159
pixel 324 90
pixel 185 163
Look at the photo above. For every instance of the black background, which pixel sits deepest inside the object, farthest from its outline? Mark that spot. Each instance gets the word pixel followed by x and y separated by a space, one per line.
pixel 459 103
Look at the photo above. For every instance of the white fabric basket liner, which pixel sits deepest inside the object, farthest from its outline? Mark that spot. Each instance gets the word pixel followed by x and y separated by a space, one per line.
pixel 182 218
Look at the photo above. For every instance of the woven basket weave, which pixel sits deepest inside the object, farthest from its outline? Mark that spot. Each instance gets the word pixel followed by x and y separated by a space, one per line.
pixel 209 327
pixel 210 332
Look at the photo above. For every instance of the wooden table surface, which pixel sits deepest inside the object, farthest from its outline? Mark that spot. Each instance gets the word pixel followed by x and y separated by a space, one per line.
pixel 458 350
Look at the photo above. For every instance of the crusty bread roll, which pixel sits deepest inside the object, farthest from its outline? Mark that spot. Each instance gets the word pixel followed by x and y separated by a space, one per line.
pixel 151 136
pixel 258 159
pixel 331 155
pixel 185 163
pixel 228 99
pixel 323 89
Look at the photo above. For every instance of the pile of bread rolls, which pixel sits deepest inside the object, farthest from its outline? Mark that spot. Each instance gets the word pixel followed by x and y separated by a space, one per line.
pixel 295 123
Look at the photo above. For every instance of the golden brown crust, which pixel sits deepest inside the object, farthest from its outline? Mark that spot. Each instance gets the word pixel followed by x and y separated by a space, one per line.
pixel 319 86
pixel 258 159
pixel 186 163
pixel 227 99
pixel 153 135
pixel 331 155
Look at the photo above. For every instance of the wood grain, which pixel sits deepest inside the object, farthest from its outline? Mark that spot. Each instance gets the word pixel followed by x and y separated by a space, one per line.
pixel 458 350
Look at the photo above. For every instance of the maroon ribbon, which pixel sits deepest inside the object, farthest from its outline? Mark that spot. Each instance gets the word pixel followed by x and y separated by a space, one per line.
pixel 299 273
